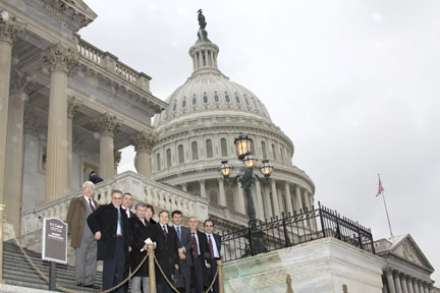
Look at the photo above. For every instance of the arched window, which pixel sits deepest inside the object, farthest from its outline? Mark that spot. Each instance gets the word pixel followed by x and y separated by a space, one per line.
pixel 158 161
pixel 274 152
pixel 224 147
pixel 168 158
pixel 194 151
pixel 181 153
pixel 227 98
pixel 216 97
pixel 263 150
pixel 209 151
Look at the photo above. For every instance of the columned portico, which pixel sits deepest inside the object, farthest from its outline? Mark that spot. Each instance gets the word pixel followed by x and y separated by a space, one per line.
pixel 267 202
pixel 239 200
pixel 287 198
pixel 203 189
pixel 397 282
pixel 259 200
pixel 298 201
pixel 60 60
pixel 403 279
pixel 390 281
pixel 106 124
pixel 143 144
pixel 14 150
pixel 72 110
pixel 221 193
pixel 276 204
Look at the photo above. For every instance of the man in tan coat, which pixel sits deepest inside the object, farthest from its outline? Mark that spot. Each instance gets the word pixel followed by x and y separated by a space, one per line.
pixel 82 239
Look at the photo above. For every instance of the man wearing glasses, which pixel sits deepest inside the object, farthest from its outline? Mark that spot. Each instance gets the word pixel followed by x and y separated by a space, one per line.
pixel 212 247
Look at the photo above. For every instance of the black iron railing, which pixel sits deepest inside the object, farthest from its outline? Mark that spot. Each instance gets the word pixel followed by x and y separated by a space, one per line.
pixel 289 230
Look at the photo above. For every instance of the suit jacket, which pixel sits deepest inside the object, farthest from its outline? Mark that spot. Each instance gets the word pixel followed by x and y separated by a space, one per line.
pixel 166 249
pixel 76 219
pixel 105 220
pixel 139 232
pixel 218 242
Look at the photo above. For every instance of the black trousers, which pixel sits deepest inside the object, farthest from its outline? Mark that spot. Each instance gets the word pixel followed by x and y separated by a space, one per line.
pixel 114 268
pixel 211 274
pixel 196 273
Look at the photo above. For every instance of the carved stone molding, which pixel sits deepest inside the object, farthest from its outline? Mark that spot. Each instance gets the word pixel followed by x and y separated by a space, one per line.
pixel 107 124
pixel 144 141
pixel 61 58
pixel 9 27
pixel 73 107
pixel 117 156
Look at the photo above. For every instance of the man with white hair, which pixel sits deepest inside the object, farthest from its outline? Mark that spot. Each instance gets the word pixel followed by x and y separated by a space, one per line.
pixel 82 238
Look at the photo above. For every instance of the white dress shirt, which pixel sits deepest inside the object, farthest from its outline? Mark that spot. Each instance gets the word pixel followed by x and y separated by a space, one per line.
pixel 214 245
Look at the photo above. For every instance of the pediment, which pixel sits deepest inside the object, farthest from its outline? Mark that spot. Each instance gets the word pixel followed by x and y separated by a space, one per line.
pixel 408 250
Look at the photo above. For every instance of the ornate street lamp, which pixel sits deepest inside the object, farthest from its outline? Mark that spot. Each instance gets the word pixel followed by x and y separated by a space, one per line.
pixel 246 176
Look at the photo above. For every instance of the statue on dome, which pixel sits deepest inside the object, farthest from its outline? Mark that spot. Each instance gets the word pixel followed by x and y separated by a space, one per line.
pixel 202 34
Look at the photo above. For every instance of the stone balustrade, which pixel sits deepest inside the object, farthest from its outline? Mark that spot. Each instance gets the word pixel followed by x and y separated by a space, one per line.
pixel 111 63
pixel 161 196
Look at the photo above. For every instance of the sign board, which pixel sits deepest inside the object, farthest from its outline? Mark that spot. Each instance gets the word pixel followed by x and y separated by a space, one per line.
pixel 54 240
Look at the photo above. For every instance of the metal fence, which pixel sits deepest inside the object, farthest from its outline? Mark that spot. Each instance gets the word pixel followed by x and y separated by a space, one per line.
pixel 292 229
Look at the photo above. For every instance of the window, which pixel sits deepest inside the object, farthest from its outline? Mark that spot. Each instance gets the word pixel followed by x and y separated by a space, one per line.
pixel 194 151
pixel 216 97
pixel 237 98
pixel 209 152
pixel 274 152
pixel 227 98
pixel 184 102
pixel 181 154
pixel 158 161
pixel 168 158
pixel 224 147
pixel 205 98
pixel 194 99
pixel 263 150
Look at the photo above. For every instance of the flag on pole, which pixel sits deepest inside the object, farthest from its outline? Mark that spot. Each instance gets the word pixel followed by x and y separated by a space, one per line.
pixel 380 188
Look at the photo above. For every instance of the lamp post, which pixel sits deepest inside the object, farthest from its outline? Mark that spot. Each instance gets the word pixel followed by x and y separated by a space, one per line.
pixel 247 177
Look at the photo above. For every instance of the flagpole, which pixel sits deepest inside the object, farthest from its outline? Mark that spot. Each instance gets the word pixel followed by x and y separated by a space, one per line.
pixel 386 209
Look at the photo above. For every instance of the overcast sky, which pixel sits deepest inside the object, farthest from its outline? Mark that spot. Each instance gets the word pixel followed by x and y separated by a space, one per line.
pixel 354 84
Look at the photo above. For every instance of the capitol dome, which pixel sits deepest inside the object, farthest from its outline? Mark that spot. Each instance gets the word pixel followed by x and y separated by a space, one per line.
pixel 197 131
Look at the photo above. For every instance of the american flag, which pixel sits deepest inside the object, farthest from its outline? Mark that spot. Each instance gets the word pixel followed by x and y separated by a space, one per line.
pixel 380 188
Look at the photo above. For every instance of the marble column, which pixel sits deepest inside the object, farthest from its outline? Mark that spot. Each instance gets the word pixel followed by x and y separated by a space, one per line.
pixel 276 203
pixel 390 281
pixel 203 189
pixel 403 279
pixel 239 200
pixel 298 202
pixel 143 144
pixel 221 193
pixel 72 110
pixel 397 283
pixel 14 151
pixel 259 200
pixel 409 284
pixel 8 31
pixel 419 286
pixel 287 198
pixel 268 203
pixel 106 125
pixel 60 60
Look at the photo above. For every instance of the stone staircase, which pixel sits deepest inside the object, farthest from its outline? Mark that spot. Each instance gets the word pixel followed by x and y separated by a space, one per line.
pixel 18 272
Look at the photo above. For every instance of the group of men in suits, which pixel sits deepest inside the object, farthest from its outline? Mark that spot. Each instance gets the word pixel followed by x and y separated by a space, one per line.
pixel 116 234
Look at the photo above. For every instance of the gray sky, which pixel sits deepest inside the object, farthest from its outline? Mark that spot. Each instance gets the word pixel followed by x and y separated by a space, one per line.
pixel 353 83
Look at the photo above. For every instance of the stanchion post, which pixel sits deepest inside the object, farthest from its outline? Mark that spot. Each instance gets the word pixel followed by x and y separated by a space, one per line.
pixel 151 267
pixel 221 276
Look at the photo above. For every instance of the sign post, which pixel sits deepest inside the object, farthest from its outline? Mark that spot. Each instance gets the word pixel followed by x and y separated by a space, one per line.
pixel 54 246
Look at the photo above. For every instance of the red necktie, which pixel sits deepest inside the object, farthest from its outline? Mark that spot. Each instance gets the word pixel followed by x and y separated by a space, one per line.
pixel 211 249
pixel 194 245
pixel 91 205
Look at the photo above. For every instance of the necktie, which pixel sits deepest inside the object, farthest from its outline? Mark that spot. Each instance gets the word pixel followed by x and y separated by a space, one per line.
pixel 194 244
pixel 165 231
pixel 179 233
pixel 211 248
pixel 92 207
pixel 119 223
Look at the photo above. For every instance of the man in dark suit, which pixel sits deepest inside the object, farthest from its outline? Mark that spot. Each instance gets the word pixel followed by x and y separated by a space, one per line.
pixel 212 243
pixel 183 276
pixel 195 256
pixel 110 226
pixel 82 239
pixel 166 251
pixel 140 230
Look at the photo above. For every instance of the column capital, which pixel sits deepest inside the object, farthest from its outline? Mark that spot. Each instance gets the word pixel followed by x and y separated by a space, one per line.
pixel 59 57
pixel 144 141
pixel 72 107
pixel 9 27
pixel 107 124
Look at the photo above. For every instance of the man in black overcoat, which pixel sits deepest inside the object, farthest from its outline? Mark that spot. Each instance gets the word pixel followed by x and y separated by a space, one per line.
pixel 166 251
pixel 109 225
pixel 212 245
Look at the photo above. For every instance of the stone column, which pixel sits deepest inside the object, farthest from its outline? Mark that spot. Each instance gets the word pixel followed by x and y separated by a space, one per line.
pixel 390 281
pixel 287 198
pixel 8 31
pixel 202 189
pixel 276 203
pixel 298 201
pixel 409 284
pixel 259 200
pixel 14 151
pixel 239 200
pixel 397 283
pixel 106 124
pixel 72 110
pixel 143 143
pixel 418 287
pixel 221 193
pixel 403 279
pixel 60 60
pixel 268 203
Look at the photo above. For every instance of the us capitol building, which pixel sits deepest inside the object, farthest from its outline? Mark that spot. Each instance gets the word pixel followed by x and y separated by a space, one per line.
pixel 68 107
